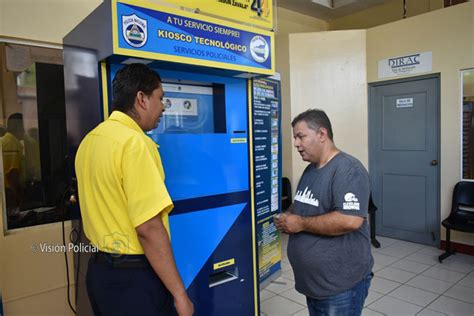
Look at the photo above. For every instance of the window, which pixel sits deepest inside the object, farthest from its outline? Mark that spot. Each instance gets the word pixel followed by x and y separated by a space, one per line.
pixel 468 124
pixel 32 134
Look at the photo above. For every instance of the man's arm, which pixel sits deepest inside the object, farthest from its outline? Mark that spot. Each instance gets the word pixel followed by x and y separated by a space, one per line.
pixel 155 242
pixel 331 224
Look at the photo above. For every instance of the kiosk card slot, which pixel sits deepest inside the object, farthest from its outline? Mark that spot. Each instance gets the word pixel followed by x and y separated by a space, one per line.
pixel 223 276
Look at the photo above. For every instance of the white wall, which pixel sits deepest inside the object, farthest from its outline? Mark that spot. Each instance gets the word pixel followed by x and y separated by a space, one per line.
pixel 43 20
pixel 289 22
pixel 328 71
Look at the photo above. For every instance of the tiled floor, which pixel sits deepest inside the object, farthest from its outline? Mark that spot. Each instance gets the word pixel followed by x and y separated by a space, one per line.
pixel 408 281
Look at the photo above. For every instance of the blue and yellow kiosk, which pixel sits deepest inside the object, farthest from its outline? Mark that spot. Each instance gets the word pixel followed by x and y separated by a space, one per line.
pixel 205 136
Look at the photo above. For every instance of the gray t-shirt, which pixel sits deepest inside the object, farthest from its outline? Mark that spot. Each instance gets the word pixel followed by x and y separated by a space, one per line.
pixel 327 265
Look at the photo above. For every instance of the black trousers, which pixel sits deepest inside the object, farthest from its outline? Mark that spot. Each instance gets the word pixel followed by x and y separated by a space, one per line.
pixel 117 290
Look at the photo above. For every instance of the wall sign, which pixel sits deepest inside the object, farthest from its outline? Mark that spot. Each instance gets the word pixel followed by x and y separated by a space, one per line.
pixel 405 65
pixel 405 103
pixel 161 33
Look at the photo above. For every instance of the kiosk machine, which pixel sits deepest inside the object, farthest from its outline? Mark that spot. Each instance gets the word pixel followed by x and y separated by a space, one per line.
pixel 205 135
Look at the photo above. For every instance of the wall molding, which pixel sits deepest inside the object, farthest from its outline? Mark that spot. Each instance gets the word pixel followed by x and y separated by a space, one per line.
pixel 458 247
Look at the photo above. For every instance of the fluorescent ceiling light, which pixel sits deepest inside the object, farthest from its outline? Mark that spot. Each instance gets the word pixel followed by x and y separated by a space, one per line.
pixel 334 4
pixel 326 3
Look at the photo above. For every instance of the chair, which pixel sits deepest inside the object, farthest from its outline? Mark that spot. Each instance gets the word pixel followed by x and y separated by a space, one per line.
pixel 286 198
pixel 460 218
pixel 372 209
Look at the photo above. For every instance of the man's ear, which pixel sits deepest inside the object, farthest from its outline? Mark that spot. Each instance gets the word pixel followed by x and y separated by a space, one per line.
pixel 323 134
pixel 140 103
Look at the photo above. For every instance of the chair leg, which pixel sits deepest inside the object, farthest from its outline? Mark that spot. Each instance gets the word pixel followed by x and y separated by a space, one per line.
pixel 374 241
pixel 448 251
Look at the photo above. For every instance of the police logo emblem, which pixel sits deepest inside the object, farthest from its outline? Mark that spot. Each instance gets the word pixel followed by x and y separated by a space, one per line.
pixel 259 49
pixel 134 30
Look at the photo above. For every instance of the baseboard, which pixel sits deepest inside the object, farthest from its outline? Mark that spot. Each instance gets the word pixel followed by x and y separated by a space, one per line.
pixel 459 248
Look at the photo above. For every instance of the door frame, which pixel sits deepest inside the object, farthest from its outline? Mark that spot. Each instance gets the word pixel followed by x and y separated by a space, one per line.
pixel 371 141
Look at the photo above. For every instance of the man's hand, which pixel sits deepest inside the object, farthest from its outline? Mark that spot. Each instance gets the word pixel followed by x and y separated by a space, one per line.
pixel 289 223
pixel 330 224
pixel 183 305
pixel 155 242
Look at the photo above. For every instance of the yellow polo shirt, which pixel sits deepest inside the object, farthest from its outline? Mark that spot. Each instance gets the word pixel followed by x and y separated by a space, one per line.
pixel 121 184
pixel 12 152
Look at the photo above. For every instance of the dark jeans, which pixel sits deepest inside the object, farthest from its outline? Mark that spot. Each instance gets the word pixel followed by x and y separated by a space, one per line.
pixel 126 291
pixel 347 303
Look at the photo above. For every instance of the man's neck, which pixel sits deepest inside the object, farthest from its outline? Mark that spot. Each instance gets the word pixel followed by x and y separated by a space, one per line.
pixel 327 155
pixel 136 117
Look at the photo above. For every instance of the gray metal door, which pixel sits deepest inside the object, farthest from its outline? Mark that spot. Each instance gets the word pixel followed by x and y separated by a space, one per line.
pixel 404 157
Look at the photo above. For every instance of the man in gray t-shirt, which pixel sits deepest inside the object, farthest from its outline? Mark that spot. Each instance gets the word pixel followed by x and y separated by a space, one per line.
pixel 329 245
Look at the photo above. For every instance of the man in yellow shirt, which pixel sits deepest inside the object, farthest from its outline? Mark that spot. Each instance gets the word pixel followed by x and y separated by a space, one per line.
pixel 13 160
pixel 125 205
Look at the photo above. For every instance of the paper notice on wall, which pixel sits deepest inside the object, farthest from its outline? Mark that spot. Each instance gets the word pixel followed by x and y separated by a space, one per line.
pixel 405 103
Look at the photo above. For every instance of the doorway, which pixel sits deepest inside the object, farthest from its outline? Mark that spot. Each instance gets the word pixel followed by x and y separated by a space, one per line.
pixel 404 135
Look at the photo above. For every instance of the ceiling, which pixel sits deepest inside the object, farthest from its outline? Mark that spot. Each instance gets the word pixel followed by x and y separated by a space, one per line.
pixel 328 9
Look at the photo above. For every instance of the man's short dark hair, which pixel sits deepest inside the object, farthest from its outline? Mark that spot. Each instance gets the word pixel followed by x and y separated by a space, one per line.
pixel 15 123
pixel 315 119
pixel 129 81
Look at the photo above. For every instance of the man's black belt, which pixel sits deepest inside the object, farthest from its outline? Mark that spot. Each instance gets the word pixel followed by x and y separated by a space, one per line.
pixel 121 261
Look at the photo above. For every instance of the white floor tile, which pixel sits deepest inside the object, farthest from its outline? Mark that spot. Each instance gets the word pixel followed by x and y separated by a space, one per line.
pixel 382 285
pixel 410 244
pixel 422 258
pixel 461 293
pixel 285 264
pixel 295 296
pixel 280 306
pixel 427 250
pixel 414 295
pixel 288 275
pixel 384 260
pixel 397 250
pixel 395 274
pixel 452 307
pixel 429 284
pixel 464 258
pixel 369 312
pixel 456 265
pixel 392 306
pixel 429 312
pixel 396 262
pixel 377 267
pixel 385 241
pixel 443 274
pixel 410 266
pixel 373 249
pixel 280 285
pixel 264 294
pixel 372 297
pixel 468 280
pixel 303 312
